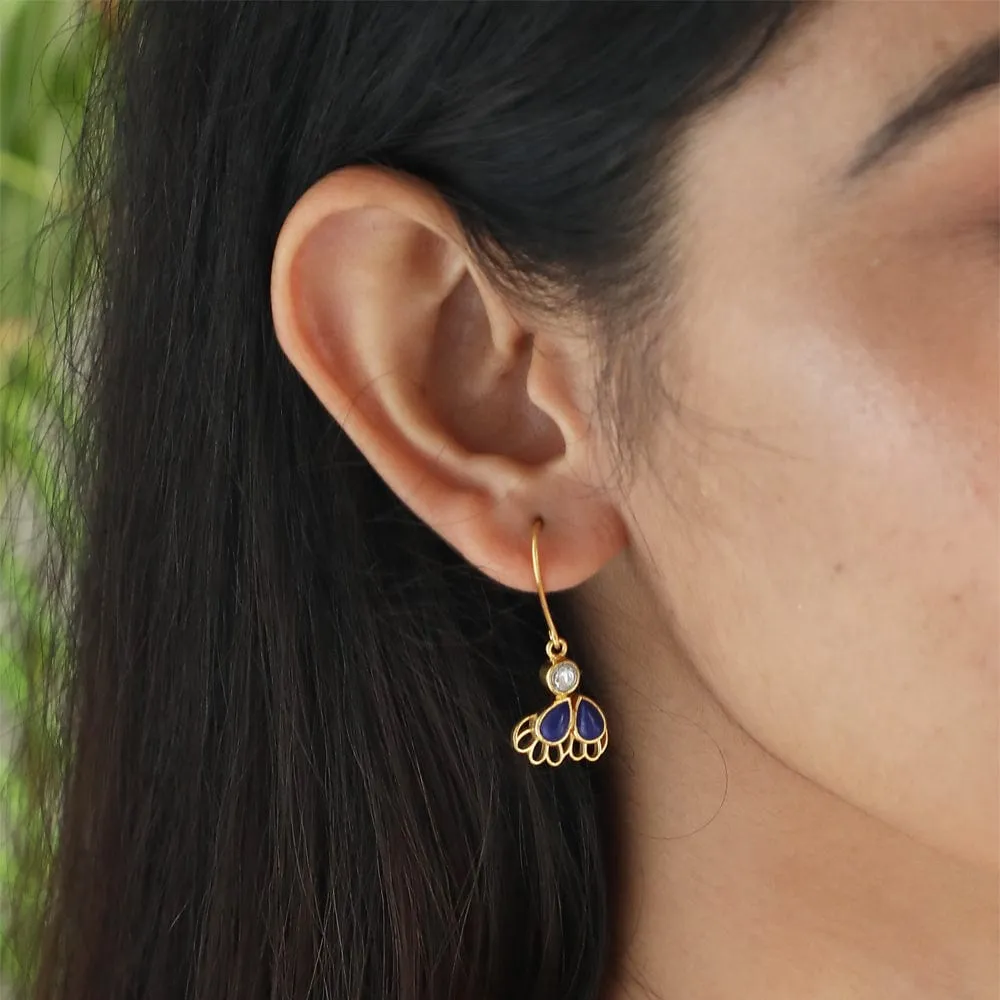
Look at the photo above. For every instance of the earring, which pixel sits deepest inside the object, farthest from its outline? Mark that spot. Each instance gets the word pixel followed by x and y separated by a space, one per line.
pixel 573 725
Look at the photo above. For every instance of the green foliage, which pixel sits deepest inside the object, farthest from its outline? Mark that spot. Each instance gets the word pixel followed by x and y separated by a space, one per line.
pixel 47 51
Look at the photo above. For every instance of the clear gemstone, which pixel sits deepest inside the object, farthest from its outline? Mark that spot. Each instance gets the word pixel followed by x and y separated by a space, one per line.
pixel 565 677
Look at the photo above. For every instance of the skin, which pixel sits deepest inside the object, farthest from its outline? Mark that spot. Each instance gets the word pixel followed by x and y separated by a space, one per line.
pixel 793 598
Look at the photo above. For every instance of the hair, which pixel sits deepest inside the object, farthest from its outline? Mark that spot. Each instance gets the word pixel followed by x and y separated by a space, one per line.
pixel 285 701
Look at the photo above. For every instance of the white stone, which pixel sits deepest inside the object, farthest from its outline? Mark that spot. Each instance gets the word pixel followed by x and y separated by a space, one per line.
pixel 565 677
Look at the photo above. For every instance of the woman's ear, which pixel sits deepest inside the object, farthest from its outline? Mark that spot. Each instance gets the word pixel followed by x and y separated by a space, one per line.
pixel 477 423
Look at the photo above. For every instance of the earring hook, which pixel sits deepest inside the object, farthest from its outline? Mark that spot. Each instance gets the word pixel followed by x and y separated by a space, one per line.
pixel 556 646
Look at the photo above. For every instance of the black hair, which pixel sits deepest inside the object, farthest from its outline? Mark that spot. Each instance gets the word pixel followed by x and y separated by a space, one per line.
pixel 287 701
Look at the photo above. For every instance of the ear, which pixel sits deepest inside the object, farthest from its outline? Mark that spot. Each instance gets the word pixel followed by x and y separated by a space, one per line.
pixel 477 422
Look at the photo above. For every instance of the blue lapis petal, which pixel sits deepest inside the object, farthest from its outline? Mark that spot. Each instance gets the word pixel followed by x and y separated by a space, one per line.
pixel 554 724
pixel 589 720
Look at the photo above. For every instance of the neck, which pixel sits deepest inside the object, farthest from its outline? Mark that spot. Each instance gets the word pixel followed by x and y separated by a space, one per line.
pixel 741 878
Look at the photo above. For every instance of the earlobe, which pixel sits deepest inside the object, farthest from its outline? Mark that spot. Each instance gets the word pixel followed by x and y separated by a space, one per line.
pixel 380 307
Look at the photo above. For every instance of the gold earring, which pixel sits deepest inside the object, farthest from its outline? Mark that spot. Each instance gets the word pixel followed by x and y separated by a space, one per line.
pixel 573 726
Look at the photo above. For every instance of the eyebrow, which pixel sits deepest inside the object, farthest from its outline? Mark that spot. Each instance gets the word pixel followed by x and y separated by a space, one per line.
pixel 973 71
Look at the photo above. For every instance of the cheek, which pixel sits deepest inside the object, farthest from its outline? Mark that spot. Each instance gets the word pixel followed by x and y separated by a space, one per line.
pixel 830 547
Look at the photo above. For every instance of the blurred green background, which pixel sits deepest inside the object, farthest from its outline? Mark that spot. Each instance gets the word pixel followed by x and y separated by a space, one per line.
pixel 47 52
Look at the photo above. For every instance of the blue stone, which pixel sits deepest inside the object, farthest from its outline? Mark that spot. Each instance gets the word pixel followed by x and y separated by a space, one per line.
pixel 554 724
pixel 589 720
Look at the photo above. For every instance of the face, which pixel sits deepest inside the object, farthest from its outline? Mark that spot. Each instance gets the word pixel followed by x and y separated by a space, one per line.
pixel 830 549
